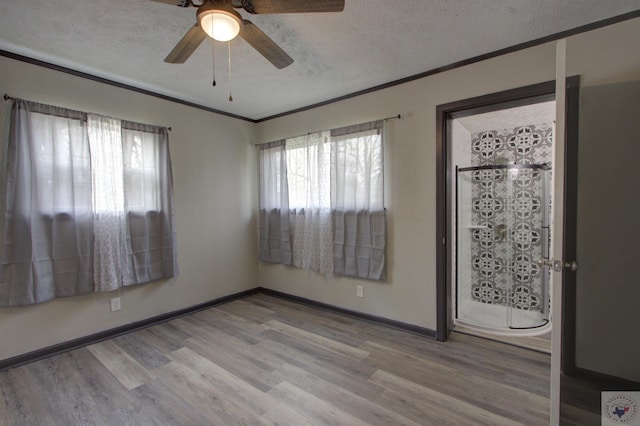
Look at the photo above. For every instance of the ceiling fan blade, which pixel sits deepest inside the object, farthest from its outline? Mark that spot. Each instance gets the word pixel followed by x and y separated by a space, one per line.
pixel 171 2
pixel 263 44
pixel 186 46
pixel 292 6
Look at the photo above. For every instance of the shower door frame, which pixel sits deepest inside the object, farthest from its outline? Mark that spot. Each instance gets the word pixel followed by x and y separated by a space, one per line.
pixel 544 168
pixel 526 95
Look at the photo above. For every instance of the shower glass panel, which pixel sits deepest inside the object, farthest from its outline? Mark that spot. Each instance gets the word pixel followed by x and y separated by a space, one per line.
pixel 502 227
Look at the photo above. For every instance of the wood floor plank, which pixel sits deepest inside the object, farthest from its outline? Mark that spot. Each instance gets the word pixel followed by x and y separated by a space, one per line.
pixel 282 414
pixel 168 336
pixel 325 329
pixel 89 390
pixel 248 368
pixel 140 346
pixel 336 369
pixel 226 318
pixel 235 389
pixel 72 388
pixel 160 404
pixel 288 311
pixel 235 355
pixel 431 404
pixel 4 400
pixel 503 368
pixel 202 330
pixel 124 367
pixel 321 412
pixel 204 396
pixel 304 350
pixel 248 311
pixel 243 329
pixel 22 406
pixel 347 401
pixel 490 395
pixel 315 339
pixel 507 358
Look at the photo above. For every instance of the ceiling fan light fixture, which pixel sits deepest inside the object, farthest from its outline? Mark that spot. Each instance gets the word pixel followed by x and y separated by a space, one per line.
pixel 219 21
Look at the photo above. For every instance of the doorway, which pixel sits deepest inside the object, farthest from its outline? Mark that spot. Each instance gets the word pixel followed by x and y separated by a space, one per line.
pixel 500 216
pixel 494 200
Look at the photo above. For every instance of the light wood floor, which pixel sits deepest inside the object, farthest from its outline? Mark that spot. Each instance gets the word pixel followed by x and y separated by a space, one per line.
pixel 265 360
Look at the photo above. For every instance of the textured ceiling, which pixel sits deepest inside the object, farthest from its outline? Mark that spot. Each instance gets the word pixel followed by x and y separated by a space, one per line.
pixel 372 42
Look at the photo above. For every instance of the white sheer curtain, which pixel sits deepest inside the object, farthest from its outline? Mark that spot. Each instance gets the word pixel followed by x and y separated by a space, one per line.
pixel 109 218
pixel 357 201
pixel 308 175
pixel 275 239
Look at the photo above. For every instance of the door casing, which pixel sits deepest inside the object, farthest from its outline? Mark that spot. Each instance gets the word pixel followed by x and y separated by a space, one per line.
pixel 535 93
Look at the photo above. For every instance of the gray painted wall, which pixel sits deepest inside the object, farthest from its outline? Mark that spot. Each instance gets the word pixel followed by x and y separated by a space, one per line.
pixel 215 202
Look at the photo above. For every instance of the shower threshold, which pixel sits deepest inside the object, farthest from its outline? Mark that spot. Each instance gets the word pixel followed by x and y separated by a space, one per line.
pixel 536 342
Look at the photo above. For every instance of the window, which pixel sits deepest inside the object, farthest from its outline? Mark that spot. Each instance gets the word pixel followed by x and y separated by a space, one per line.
pixel 140 170
pixel 308 170
pixel 322 201
pixel 89 205
pixel 57 163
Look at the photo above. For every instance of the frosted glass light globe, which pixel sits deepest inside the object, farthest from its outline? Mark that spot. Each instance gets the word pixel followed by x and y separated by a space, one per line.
pixel 219 24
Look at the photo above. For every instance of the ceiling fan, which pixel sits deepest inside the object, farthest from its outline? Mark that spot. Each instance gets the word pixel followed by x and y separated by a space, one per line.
pixel 219 20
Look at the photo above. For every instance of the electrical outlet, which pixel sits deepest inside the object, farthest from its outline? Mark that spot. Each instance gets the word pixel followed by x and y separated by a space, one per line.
pixel 115 304
pixel 359 291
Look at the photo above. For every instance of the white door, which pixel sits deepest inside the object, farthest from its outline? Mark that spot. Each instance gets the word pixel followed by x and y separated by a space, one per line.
pixel 601 316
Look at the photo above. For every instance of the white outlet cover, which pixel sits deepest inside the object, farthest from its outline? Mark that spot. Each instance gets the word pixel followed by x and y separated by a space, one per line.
pixel 115 304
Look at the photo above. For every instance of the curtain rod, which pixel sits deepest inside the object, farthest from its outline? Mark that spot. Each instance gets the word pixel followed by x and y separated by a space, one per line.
pixel 11 98
pixel 393 117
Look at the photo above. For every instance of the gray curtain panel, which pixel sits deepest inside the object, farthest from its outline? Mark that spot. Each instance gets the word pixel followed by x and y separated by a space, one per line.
pixel 275 230
pixel 359 240
pixel 151 232
pixel 275 240
pixel 47 248
pixel 357 201
pixel 48 232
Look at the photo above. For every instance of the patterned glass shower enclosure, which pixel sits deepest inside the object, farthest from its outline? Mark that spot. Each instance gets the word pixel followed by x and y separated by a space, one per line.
pixel 503 230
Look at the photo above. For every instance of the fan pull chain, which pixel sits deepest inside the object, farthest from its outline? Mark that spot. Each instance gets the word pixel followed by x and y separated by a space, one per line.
pixel 213 56
pixel 213 61
pixel 230 97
